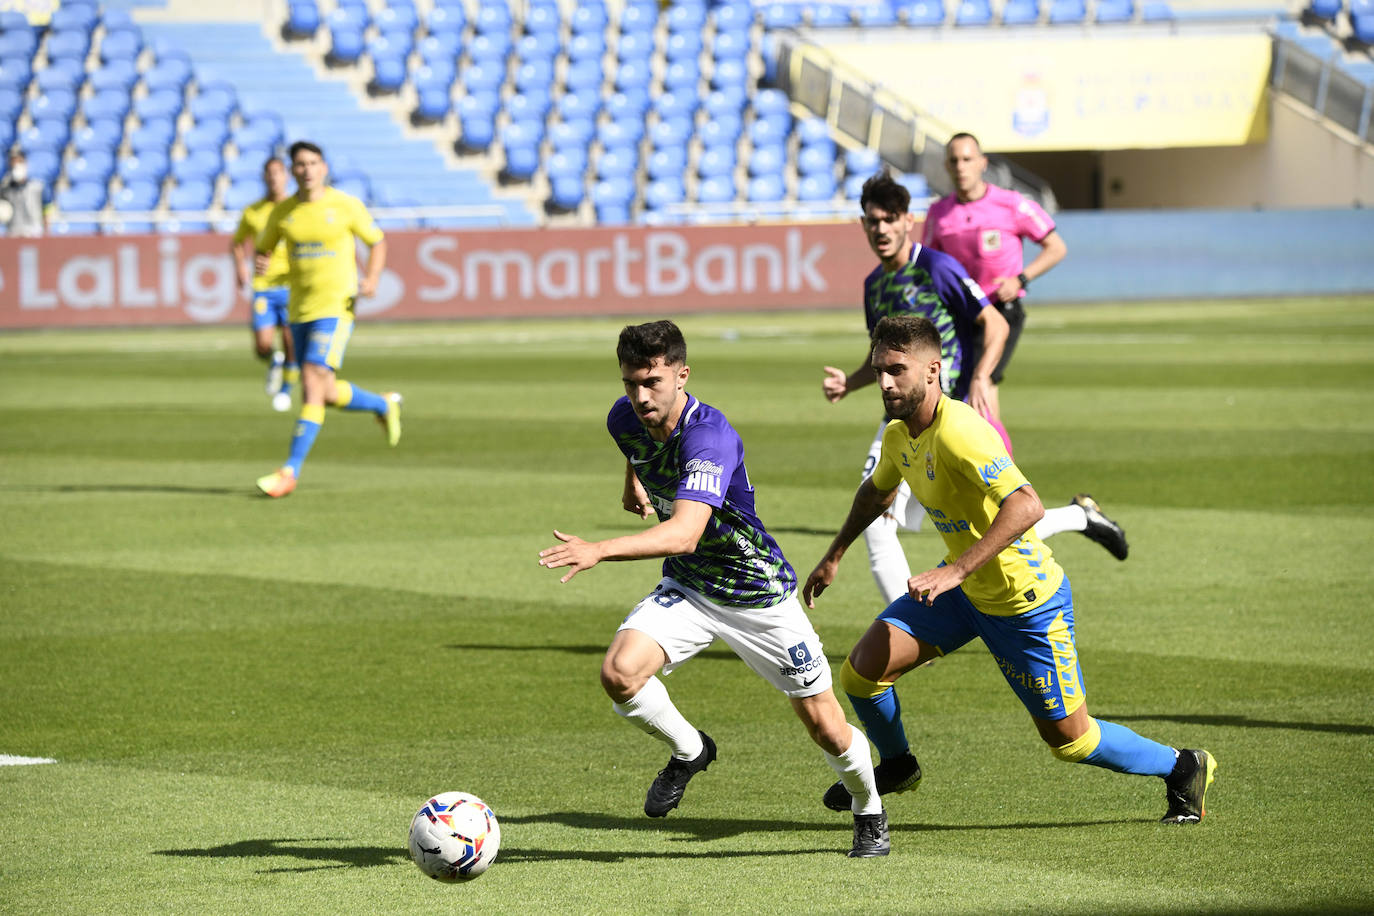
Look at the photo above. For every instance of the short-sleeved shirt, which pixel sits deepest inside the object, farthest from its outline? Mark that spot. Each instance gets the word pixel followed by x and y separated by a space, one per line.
pixel 935 286
pixel 960 471
pixel 252 220
pixel 26 206
pixel 985 234
pixel 737 563
pixel 319 237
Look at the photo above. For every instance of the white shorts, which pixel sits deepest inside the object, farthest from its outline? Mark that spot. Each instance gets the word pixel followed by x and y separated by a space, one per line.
pixel 778 642
pixel 907 511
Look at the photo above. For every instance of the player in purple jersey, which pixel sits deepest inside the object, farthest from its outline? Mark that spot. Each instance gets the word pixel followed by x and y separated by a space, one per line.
pixel 723 577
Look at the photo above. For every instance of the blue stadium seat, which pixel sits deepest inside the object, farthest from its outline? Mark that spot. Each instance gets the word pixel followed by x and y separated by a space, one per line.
pixel 529 132
pixel 388 74
pixel 246 167
pixel 725 102
pixel 44 165
pixel 208 135
pixel 638 18
pixel 112 17
pixel 973 12
pixel 586 47
pixel 1022 12
pixel 543 19
pixel 1067 12
pixel 200 165
pixel 584 75
pixel 572 133
pixel 1157 11
pixel 482 76
pixel 683 45
pixel 447 20
pixel 18 43
pixel 57 104
pixel 716 161
pixel 353 183
pixel 612 199
pixel 863 162
pixel 664 192
pixel 522 161
pixel 164 103
pixel 766 189
pixel 816 187
pixel 877 15
pixel 584 104
pixel 763 132
pixel 767 160
pixel 730 46
pixel 124 44
pixel 782 16
pixel 718 189
pixel 477 123
pixel 444 48
pixel 542 46
pixel 48 134
pixel 102 135
pixel 243 193
pixel 173 73
pixel 11 104
pixel 632 74
pixel 623 132
pixel 80 16
pixel 632 102
pixel 153 136
pixel 617 162
pixel 255 134
pixel 686 18
pixel 733 17
pixel 830 15
pixel 915 183
pixel 396 18
pixel 149 167
pixel 566 192
pixel 267 124
pixel 67 45
pixel 671 132
pixel 527 106
pixel 682 76
pixel 6 136
pixel 302 19
pixel 1114 11
pixel 82 197
pixel 812 160
pixel 15 75
pixel 854 186
pixel 725 130
pixel 635 46
pixel 677 104
pixel 667 162
pixel 121 75
pixel 492 18
pixel 923 12
pixel 729 74
pixel 94 166
pixel 567 162
pixel 137 196
pixel 534 75
pixel 345 43
pixel 350 13
pixel 587 18
pixel 190 195
pixel 64 75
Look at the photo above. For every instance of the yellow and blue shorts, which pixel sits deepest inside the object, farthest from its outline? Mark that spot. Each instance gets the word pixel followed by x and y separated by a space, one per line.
pixel 1035 650
pixel 322 341
pixel 269 307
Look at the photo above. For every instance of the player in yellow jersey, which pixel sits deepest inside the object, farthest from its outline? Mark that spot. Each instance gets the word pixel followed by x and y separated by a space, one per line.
pixel 269 290
pixel 998 583
pixel 318 225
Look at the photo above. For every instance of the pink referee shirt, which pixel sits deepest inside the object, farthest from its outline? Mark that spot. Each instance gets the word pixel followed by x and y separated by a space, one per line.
pixel 985 234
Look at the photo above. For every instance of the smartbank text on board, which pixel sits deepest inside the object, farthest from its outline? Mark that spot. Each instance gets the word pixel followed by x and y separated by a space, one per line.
pixel 189 279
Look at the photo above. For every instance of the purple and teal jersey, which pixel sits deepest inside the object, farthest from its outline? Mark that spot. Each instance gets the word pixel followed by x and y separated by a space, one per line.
pixel 736 563
pixel 934 285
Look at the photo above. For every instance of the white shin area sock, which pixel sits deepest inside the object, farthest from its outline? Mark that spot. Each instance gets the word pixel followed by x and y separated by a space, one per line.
pixel 886 560
pixel 855 769
pixel 1063 518
pixel 652 712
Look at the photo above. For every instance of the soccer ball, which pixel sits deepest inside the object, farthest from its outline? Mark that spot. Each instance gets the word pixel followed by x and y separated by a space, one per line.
pixel 454 837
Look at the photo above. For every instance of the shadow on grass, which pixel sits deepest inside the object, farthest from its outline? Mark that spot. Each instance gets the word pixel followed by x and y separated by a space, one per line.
pixel 137 488
pixel 1247 722
pixel 335 856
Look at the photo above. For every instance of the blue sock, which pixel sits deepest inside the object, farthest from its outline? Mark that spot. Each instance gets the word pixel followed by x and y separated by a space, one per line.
pixel 307 428
pixel 881 716
pixel 1124 751
pixel 350 397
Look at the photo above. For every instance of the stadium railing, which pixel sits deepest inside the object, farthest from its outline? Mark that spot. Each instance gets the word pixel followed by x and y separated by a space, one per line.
pixel 1316 74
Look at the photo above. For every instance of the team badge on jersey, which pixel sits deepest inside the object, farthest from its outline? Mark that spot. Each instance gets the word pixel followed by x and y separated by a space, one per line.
pixel 930 466
pixel 992 239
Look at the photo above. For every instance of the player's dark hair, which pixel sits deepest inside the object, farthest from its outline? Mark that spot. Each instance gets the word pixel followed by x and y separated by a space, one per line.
pixel 307 146
pixel 641 344
pixel 886 193
pixel 965 135
pixel 908 333
pixel 269 160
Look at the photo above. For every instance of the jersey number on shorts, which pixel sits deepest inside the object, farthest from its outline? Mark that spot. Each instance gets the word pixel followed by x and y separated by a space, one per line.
pixel 667 597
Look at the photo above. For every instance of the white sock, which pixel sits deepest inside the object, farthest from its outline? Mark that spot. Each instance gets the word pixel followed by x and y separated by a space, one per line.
pixel 855 769
pixel 652 712
pixel 1064 518
pixel 886 560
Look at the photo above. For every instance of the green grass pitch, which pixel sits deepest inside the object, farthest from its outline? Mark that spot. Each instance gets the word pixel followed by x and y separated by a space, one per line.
pixel 247 699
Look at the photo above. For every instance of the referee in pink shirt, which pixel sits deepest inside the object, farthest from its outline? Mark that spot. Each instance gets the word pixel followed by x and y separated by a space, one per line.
pixel 981 226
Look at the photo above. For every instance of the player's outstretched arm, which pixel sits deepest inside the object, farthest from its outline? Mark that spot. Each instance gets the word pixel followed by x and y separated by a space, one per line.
pixel 838 383
pixel 635 499
pixel 1018 513
pixel 869 503
pixel 674 537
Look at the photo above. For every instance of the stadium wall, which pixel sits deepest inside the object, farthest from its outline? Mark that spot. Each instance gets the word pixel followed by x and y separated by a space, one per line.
pixel 1113 256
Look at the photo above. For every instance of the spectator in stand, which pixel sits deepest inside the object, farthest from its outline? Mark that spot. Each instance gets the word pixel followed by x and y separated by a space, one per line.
pixel 27 218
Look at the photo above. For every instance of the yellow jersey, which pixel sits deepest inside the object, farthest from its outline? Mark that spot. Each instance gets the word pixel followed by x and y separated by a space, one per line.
pixel 960 471
pixel 320 250
pixel 250 225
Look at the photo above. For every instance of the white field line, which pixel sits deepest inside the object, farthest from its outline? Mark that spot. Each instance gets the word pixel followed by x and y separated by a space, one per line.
pixel 9 760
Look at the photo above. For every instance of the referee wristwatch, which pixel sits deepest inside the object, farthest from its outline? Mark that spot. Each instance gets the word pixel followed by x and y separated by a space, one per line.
pixel 1023 280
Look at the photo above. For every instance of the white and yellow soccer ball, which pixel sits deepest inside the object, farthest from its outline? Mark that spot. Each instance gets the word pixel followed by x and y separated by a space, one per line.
pixel 454 837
